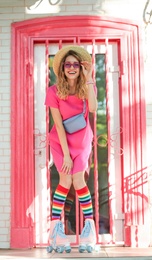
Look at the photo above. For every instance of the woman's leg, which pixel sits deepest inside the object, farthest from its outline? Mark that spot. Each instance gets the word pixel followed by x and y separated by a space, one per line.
pixel 84 195
pixel 60 195
pixel 88 235
pixel 57 238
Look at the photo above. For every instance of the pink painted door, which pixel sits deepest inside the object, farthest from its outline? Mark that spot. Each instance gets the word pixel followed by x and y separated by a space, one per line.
pixel 117 178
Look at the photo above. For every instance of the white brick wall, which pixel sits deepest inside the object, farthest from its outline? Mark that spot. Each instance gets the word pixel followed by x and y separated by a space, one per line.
pixel 14 10
pixel 4 128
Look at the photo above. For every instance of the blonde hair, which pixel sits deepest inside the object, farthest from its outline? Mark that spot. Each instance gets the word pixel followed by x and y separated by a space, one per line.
pixel 63 89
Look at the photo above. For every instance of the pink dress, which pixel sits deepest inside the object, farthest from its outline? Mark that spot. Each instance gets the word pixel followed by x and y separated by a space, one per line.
pixel 79 143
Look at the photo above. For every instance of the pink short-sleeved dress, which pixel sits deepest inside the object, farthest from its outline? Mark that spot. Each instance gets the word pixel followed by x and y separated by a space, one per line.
pixel 79 143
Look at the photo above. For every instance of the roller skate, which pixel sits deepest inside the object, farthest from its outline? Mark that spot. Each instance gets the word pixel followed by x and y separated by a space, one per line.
pixel 88 237
pixel 58 240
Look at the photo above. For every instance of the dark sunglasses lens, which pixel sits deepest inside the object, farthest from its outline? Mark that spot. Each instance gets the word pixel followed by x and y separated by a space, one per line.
pixel 76 65
pixel 68 65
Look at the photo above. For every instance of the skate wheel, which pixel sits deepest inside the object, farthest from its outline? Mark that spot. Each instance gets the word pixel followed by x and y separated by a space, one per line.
pixel 49 249
pixel 82 248
pixel 67 249
pixel 89 249
pixel 59 249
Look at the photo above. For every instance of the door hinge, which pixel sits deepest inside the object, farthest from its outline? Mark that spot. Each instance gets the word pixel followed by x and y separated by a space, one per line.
pixel 122 67
pixel 29 68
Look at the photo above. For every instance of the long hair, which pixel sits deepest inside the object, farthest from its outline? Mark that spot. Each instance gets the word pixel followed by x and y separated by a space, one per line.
pixel 63 88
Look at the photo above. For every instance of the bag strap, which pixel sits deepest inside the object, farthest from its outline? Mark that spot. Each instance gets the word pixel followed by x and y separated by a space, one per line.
pixel 84 106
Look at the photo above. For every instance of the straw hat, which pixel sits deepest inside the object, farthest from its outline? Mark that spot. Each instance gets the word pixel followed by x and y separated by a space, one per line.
pixel 62 52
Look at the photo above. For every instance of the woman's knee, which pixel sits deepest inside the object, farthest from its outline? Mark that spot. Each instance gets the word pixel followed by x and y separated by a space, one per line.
pixel 65 180
pixel 78 180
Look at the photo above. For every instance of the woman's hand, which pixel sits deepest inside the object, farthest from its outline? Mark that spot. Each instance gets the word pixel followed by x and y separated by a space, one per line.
pixel 87 69
pixel 67 164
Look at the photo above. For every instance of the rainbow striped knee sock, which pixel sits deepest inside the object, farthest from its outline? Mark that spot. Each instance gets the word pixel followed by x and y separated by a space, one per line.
pixel 85 202
pixel 59 201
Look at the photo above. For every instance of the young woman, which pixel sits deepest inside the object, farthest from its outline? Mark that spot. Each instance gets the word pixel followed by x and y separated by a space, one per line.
pixel 74 90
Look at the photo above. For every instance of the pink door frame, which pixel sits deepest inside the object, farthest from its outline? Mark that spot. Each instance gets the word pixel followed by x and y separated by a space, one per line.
pixel 132 118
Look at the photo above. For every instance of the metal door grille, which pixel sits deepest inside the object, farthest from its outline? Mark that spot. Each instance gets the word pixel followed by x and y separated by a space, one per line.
pixel 91 43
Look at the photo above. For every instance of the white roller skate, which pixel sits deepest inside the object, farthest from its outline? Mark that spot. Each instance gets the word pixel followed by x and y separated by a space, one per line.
pixel 58 240
pixel 88 237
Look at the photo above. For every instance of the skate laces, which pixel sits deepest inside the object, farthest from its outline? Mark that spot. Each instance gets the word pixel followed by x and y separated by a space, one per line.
pixel 86 230
pixel 58 230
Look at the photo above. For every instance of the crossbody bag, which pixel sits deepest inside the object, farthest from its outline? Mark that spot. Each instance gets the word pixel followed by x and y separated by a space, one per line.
pixel 75 123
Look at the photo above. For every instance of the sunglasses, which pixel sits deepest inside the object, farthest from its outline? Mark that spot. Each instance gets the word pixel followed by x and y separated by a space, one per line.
pixel 68 65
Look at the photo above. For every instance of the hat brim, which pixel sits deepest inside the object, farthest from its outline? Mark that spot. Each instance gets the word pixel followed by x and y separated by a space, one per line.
pixel 62 52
